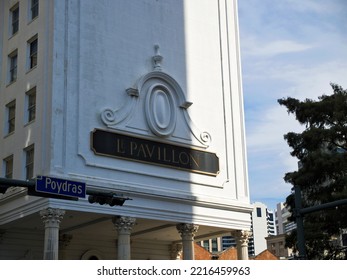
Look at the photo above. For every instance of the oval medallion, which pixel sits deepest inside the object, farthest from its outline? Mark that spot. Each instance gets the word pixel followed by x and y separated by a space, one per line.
pixel 160 110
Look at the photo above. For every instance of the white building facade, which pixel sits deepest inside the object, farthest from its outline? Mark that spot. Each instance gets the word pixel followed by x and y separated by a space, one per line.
pixel 283 224
pixel 263 225
pixel 140 98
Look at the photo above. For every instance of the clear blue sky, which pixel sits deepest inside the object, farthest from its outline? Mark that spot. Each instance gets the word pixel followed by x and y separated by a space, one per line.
pixel 290 48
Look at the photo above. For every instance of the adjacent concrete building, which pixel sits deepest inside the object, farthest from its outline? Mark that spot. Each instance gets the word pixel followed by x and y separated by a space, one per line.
pixel 283 224
pixel 140 99
pixel 263 225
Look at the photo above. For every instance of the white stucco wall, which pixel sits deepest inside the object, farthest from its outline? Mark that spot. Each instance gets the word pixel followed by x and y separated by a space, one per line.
pixel 103 48
pixel 92 51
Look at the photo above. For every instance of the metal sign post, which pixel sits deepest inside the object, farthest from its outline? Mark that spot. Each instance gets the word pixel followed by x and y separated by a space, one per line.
pixel 299 213
pixel 58 188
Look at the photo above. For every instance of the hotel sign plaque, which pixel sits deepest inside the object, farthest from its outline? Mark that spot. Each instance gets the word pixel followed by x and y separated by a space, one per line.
pixel 107 143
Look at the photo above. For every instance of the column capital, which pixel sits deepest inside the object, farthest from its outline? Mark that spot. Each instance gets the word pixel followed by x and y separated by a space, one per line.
pixel 124 224
pixel 52 216
pixel 187 230
pixel 176 251
pixel 242 237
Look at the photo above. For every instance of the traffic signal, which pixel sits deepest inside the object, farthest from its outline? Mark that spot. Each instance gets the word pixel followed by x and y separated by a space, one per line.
pixel 107 198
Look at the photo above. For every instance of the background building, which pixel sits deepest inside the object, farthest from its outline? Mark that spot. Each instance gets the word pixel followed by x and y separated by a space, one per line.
pixel 276 245
pixel 263 226
pixel 139 99
pixel 283 225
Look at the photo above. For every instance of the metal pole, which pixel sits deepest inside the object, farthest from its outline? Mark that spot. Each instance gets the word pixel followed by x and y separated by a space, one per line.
pixel 323 206
pixel 299 215
pixel 16 183
pixel 6 183
pixel 299 223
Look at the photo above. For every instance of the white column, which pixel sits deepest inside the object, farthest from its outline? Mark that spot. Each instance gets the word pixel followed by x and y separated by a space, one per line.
pixel 187 232
pixel 124 226
pixel 242 237
pixel 51 218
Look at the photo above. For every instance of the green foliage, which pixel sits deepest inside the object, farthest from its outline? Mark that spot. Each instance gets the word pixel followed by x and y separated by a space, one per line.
pixel 321 150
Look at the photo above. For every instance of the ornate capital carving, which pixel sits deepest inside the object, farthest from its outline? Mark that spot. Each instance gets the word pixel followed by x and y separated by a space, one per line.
pixel 52 217
pixel 176 251
pixel 124 225
pixel 242 237
pixel 187 230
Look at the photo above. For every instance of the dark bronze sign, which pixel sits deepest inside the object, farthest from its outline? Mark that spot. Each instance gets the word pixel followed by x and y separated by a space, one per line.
pixel 117 145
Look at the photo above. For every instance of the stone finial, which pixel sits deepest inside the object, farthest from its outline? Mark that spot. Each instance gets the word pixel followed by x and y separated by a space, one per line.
pixel 157 58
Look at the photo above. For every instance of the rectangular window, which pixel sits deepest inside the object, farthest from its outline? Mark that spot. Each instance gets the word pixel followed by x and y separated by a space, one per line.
pixel 206 245
pixel 258 212
pixel 8 167
pixel 32 43
pixel 29 162
pixel 11 117
pixel 34 9
pixel 12 58
pixel 14 18
pixel 214 245
pixel 31 105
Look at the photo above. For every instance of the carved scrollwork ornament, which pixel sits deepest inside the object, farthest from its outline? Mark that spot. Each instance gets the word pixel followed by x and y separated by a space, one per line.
pixel 206 137
pixel 108 116
pixel 176 251
pixel 161 100
pixel 124 224
pixel 187 230
pixel 242 237
pixel 52 216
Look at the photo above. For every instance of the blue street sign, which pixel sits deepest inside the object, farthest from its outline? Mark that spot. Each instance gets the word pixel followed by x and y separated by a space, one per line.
pixel 61 187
